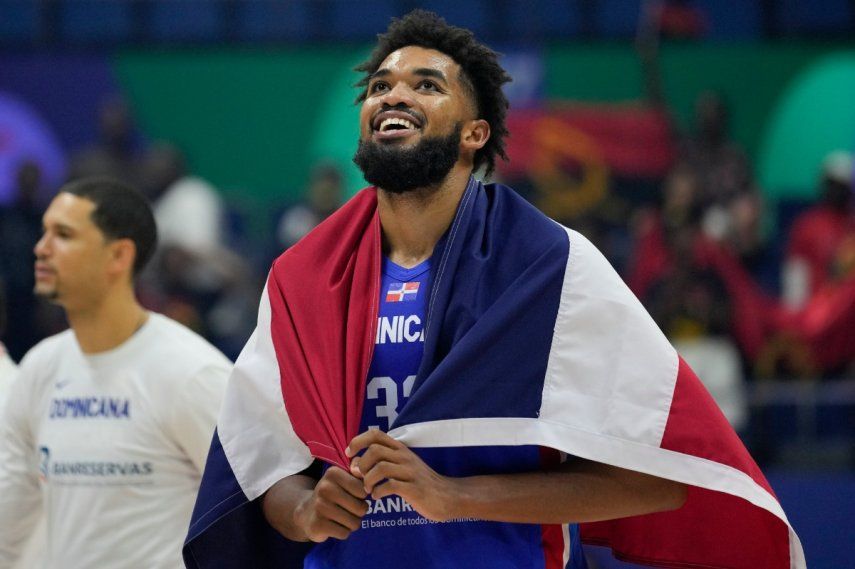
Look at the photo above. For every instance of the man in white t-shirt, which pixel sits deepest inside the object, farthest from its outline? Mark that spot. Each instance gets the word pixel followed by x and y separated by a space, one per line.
pixel 32 553
pixel 107 427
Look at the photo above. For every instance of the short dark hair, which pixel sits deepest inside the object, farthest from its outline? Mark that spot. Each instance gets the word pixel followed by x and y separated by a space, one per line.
pixel 121 212
pixel 481 73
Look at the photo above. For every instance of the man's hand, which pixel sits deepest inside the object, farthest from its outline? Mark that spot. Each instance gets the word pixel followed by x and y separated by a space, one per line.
pixel 333 508
pixel 389 467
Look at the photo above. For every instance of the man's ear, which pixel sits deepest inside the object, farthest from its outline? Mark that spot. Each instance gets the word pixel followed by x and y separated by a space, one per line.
pixel 475 135
pixel 123 253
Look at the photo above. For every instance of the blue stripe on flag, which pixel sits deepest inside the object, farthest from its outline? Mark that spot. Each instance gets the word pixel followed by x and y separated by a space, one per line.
pixel 229 532
pixel 497 287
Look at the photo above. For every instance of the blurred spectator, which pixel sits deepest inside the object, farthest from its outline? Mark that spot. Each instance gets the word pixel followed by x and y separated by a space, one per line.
pixel 190 213
pixel 20 229
pixel 721 165
pixel 194 279
pixel 116 154
pixel 818 234
pixel 26 136
pixel 816 340
pixel 691 304
pixel 323 196
pixel 744 236
pixel 686 294
pixel 688 300
pixel 815 326
pixel 738 229
pixel 681 233
pixel 653 229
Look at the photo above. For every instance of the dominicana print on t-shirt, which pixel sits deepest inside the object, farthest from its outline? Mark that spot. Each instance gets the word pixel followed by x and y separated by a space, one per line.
pixel 393 534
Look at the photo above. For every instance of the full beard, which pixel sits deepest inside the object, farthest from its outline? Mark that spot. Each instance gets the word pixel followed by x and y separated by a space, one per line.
pixel 399 170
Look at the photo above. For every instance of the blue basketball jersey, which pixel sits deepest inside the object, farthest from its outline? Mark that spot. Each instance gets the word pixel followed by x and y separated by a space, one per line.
pixel 393 534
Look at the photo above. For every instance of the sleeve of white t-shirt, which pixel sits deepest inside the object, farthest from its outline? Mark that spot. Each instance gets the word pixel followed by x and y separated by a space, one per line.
pixel 195 409
pixel 20 495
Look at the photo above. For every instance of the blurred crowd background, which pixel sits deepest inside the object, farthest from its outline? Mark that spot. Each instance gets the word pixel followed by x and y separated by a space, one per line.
pixel 705 146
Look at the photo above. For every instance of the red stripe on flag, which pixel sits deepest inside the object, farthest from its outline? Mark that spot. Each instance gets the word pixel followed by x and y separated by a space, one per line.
pixel 696 426
pixel 325 389
pixel 713 529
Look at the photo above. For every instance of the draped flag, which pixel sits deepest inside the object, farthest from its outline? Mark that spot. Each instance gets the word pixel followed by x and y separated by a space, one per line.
pixel 531 339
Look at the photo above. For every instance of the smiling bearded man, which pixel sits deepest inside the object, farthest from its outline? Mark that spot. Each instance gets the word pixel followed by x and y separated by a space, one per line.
pixel 443 377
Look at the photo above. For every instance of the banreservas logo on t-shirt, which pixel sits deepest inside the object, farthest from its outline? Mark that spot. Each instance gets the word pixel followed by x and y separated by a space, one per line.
pixel 393 511
pixel 88 472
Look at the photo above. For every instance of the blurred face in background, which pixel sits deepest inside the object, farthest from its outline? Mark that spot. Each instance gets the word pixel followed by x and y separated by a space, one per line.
pixel 837 194
pixel 29 178
pixel 711 117
pixel 325 190
pixel 680 192
pixel 74 259
pixel 116 125
pixel 162 166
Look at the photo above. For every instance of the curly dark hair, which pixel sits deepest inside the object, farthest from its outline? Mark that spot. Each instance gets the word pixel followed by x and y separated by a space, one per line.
pixel 480 72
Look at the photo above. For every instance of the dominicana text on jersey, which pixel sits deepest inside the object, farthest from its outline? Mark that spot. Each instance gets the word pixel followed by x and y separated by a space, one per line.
pixel 392 533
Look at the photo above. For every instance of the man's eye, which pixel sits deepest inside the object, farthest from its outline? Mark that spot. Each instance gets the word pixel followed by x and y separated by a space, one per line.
pixel 427 84
pixel 378 87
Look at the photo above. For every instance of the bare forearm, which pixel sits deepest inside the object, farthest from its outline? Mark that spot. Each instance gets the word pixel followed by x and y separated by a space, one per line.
pixel 280 503
pixel 579 492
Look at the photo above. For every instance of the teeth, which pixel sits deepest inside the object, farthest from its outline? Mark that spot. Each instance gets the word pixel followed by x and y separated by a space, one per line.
pixel 389 122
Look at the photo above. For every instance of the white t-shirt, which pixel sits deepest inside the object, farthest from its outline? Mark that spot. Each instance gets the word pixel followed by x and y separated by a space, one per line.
pixel 8 369
pixel 112 445
pixel 32 554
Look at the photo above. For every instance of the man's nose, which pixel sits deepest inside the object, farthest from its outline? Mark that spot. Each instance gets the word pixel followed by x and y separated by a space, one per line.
pixel 42 246
pixel 399 94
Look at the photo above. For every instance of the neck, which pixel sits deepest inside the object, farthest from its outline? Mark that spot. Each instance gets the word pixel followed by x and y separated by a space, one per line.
pixel 414 221
pixel 109 323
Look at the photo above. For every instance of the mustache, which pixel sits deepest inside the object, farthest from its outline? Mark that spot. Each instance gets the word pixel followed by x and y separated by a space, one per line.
pixel 402 108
